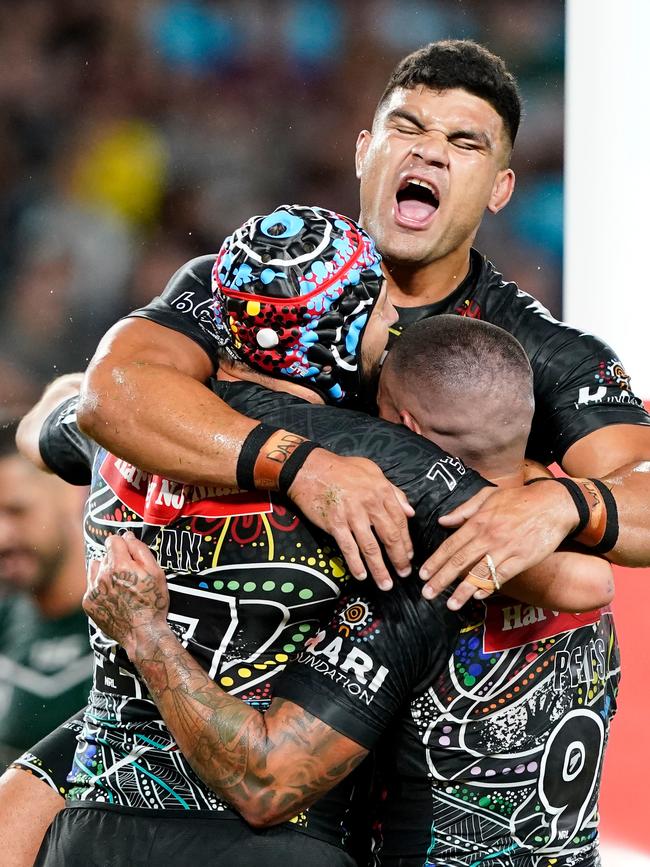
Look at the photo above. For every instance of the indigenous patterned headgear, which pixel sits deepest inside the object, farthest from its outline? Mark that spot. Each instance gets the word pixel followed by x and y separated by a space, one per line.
pixel 292 294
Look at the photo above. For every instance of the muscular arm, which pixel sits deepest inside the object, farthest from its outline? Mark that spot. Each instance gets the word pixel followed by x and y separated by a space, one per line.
pixel 268 766
pixel 565 581
pixel 29 429
pixel 620 456
pixel 509 522
pixel 144 400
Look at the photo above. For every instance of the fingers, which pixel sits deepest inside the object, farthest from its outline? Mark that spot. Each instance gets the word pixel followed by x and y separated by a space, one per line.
pixel 388 526
pixel 402 499
pixel 140 552
pixel 371 553
pixel 91 572
pixel 463 593
pixel 462 513
pixel 454 557
pixel 351 499
pixel 349 550
pixel 117 553
pixel 391 528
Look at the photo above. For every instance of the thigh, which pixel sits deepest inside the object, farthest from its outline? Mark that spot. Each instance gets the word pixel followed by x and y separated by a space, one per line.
pixel 27 807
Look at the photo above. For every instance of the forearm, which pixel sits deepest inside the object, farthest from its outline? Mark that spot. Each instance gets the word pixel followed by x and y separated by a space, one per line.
pixel 164 421
pixel 619 455
pixel 565 581
pixel 630 486
pixel 29 429
pixel 267 766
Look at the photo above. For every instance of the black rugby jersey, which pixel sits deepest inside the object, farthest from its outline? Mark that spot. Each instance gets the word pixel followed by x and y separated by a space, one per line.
pixel 492 757
pixel 580 384
pixel 249 583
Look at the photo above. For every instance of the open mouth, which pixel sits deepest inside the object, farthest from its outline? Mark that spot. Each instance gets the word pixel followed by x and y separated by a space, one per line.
pixel 417 201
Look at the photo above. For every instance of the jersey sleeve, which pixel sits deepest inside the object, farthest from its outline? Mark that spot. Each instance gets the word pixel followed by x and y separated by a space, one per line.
pixel 64 448
pixel 434 481
pixel 378 649
pixel 52 758
pixel 186 305
pixel 580 382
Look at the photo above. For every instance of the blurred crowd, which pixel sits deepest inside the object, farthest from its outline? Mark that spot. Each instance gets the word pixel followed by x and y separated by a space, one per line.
pixel 134 134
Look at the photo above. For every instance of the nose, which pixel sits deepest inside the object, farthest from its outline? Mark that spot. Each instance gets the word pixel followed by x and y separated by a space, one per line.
pixel 432 148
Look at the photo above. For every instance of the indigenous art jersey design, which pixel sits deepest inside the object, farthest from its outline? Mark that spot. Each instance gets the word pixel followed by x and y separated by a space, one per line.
pixel 249 583
pixel 580 384
pixel 495 759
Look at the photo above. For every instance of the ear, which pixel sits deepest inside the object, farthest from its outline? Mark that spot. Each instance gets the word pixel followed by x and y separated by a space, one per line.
pixel 408 421
pixel 363 143
pixel 504 185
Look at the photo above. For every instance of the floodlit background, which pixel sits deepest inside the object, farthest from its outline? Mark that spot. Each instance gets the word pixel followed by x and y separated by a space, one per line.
pixel 135 135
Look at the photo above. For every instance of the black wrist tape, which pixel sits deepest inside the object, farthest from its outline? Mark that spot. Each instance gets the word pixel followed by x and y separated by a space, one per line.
pixel 611 530
pixel 576 495
pixel 249 453
pixel 294 464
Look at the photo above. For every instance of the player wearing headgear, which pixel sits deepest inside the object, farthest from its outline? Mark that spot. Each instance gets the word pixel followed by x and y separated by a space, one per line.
pixel 436 158
pixel 292 295
pixel 381 661
pixel 249 580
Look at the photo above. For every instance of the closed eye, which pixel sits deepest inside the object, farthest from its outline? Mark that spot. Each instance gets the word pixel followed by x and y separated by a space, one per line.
pixel 466 144
pixel 470 141
pixel 407 130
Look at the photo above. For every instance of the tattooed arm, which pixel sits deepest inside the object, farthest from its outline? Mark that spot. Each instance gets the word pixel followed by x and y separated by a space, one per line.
pixel 267 766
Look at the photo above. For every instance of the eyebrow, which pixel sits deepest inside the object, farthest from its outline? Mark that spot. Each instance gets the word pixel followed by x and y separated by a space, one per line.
pixel 402 114
pixel 472 135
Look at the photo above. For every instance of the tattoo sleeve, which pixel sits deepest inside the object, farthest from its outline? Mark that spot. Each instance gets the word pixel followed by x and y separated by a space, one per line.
pixel 267 766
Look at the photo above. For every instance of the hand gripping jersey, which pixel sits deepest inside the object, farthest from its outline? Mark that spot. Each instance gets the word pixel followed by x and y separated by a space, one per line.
pixel 249 584
pixel 496 760
pixel 580 384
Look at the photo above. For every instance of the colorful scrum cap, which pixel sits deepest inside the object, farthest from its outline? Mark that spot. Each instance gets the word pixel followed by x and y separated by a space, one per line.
pixel 292 292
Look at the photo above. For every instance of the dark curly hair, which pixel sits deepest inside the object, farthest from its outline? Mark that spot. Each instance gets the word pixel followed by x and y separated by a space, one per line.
pixel 464 64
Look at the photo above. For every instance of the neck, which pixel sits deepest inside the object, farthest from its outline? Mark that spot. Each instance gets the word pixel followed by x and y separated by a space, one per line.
pixel 416 285
pixel 64 592
pixel 508 479
pixel 240 373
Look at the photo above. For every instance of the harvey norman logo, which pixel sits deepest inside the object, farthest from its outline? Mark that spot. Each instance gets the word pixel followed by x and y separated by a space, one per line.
pixel 354 669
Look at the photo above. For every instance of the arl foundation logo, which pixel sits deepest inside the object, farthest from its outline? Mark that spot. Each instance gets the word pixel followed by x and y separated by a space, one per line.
pixel 610 376
pixel 160 501
pixel 356 670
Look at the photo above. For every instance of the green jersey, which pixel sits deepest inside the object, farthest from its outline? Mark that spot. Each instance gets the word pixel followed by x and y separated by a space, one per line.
pixel 45 672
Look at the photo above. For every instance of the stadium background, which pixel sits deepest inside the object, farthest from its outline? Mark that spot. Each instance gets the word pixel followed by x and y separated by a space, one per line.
pixel 134 134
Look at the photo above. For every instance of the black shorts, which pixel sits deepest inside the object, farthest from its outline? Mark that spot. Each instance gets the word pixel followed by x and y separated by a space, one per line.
pixel 51 758
pixel 83 836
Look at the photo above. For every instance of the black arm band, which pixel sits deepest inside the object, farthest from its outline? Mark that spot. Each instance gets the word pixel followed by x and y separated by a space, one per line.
pixel 576 495
pixel 611 530
pixel 249 454
pixel 294 464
